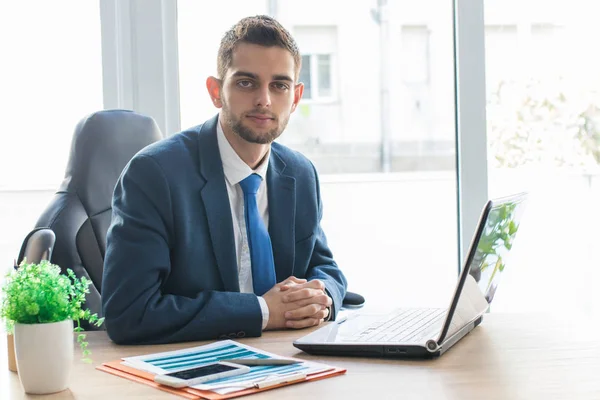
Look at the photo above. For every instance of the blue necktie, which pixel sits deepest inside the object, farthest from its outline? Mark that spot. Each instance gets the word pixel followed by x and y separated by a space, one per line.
pixel 261 252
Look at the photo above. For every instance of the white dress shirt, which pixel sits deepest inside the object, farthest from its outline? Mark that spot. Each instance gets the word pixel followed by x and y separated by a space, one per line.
pixel 236 170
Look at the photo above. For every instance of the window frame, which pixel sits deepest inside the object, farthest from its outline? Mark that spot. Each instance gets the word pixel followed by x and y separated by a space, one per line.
pixel 134 57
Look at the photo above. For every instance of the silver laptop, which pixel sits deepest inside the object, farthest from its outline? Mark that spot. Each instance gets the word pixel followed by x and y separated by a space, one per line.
pixel 429 332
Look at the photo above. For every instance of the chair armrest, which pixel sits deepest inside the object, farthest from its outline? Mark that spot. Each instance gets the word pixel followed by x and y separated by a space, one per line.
pixel 37 246
pixel 353 300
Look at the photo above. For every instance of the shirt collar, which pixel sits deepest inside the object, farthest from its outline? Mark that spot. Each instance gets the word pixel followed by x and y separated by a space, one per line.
pixel 235 169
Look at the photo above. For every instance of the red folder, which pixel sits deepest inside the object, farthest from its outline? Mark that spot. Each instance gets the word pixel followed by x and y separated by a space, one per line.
pixel 116 368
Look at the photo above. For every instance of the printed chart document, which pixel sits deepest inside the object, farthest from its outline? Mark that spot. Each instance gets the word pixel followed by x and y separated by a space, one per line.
pixel 259 377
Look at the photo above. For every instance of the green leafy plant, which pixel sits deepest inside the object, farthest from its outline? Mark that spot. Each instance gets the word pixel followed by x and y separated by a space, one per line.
pixel 39 294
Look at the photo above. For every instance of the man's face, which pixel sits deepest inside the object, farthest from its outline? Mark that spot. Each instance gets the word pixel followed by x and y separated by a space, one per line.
pixel 258 93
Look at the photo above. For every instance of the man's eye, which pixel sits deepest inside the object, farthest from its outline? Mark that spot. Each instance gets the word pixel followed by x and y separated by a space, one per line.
pixel 245 83
pixel 281 86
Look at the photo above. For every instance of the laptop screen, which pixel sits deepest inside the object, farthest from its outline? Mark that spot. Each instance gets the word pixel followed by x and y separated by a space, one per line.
pixel 486 260
pixel 493 247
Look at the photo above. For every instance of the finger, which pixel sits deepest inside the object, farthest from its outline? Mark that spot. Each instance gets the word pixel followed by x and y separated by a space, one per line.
pixel 323 314
pixel 314 284
pixel 301 294
pixel 291 281
pixel 321 299
pixel 320 314
pixel 303 312
pixel 304 323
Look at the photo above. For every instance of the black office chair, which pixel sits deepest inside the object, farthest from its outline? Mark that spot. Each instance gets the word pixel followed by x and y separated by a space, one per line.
pixel 79 214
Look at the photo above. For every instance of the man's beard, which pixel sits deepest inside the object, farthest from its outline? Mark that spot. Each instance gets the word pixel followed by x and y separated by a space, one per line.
pixel 248 134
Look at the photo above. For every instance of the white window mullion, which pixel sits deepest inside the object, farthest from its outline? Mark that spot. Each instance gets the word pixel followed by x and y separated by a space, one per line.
pixel 116 54
pixel 471 143
pixel 140 58
pixel 170 53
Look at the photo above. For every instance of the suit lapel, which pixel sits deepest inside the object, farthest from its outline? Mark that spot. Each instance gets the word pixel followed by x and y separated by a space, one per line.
pixel 216 202
pixel 282 208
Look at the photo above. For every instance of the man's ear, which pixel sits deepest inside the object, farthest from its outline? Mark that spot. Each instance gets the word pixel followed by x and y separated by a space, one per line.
pixel 298 91
pixel 213 85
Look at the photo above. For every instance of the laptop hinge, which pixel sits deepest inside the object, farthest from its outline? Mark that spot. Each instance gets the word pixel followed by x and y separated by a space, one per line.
pixel 449 342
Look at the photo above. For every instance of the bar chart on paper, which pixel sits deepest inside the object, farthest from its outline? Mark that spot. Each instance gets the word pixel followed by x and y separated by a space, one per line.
pixel 161 363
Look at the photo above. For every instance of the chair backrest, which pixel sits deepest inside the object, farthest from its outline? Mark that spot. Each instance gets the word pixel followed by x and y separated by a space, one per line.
pixel 80 211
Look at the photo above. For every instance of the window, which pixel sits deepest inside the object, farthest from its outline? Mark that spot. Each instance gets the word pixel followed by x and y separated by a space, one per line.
pixel 377 120
pixel 316 74
pixel 415 58
pixel 543 112
pixel 413 93
pixel 318 45
pixel 502 47
pixel 51 77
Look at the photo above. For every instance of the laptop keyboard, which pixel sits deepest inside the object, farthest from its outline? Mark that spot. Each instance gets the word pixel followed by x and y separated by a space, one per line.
pixel 410 325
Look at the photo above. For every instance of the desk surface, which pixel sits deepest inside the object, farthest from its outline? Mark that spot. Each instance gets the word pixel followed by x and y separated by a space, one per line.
pixel 512 356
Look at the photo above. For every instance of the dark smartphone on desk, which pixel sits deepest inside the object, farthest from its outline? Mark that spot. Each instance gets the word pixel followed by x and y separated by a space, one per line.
pixel 197 375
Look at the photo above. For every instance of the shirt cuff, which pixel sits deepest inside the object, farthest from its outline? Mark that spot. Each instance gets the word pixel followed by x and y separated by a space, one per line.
pixel 264 309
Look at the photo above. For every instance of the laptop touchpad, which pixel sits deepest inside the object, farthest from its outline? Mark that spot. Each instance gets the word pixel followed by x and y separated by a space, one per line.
pixel 342 331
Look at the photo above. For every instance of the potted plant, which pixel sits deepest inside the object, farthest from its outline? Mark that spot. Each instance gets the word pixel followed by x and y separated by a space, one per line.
pixel 42 308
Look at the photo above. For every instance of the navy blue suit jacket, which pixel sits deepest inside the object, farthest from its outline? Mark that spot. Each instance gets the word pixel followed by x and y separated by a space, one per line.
pixel 170 269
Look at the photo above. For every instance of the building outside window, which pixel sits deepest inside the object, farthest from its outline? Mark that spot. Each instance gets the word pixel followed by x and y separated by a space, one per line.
pixel 317 76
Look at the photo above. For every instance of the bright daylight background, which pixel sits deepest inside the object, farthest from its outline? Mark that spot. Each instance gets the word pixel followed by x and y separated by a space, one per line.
pixel 388 173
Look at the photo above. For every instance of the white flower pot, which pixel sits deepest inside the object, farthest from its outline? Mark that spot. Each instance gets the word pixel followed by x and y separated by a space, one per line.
pixel 44 354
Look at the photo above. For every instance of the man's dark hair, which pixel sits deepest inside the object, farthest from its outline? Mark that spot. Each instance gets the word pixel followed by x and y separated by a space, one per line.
pixel 261 30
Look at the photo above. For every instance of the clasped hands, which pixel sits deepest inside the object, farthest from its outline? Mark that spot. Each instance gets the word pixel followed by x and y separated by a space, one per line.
pixel 297 303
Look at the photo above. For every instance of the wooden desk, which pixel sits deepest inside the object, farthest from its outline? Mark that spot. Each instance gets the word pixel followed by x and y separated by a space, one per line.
pixel 506 357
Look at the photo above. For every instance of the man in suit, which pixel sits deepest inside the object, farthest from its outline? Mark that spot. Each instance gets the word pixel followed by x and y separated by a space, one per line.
pixel 216 230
